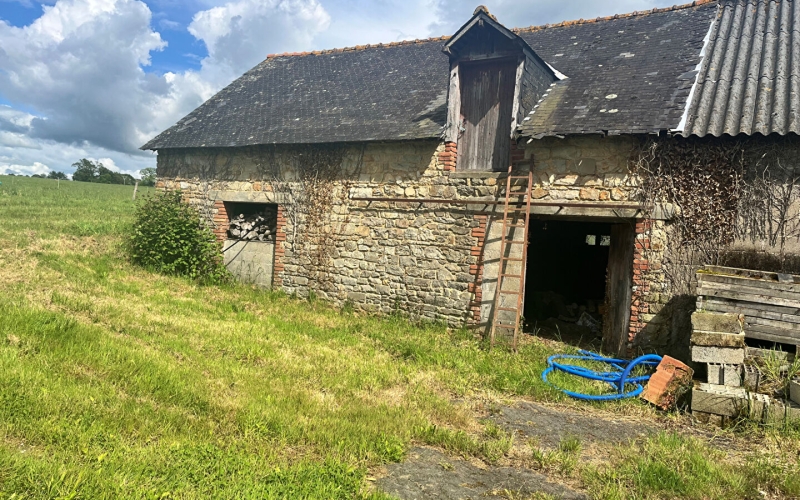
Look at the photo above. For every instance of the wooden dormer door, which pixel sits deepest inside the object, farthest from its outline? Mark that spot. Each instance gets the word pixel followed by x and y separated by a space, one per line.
pixel 487 95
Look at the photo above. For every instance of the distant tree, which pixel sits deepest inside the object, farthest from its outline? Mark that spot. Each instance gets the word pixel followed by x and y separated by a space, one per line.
pixel 57 175
pixel 148 176
pixel 106 176
pixel 86 170
pixel 39 176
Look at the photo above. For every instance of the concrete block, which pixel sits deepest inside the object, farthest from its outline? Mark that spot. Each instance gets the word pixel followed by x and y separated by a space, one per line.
pixel 730 375
pixel 752 377
pixel 703 321
pixel 779 412
pixel 722 355
pixel 716 339
pixel 719 399
pixel 792 412
pixel 760 407
pixel 711 418
pixel 794 390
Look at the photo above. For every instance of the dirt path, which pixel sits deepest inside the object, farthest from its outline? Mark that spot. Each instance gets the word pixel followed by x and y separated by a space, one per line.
pixel 429 473
pixel 549 425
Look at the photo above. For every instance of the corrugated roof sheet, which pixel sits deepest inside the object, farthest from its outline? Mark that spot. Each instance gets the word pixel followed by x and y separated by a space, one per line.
pixel 398 91
pixel 749 80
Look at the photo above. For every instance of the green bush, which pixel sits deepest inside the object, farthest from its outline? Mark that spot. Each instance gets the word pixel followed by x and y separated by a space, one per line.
pixel 169 237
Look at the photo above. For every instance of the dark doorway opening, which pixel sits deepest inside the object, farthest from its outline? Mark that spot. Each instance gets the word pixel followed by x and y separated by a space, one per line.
pixel 565 287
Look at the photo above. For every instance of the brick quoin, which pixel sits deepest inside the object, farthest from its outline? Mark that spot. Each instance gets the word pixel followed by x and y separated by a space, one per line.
pixel 280 250
pixel 641 287
pixel 517 153
pixel 448 157
pixel 221 220
pixel 476 270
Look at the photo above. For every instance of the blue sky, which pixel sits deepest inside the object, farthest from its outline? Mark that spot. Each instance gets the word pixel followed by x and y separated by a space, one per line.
pixel 98 78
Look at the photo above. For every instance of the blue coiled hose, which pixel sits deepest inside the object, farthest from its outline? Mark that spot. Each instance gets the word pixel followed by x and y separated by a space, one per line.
pixel 618 377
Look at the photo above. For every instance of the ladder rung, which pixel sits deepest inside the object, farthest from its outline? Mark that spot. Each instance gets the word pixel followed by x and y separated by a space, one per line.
pixel 501 325
pixel 511 259
pixel 518 177
pixel 511 275
pixel 512 309
pixel 514 225
pixel 510 292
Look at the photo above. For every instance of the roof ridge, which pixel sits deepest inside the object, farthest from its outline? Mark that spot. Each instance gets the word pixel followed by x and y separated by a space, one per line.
pixel 655 10
pixel 361 47
pixel 529 29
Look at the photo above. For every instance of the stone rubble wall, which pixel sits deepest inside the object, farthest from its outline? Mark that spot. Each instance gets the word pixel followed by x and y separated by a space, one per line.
pixel 434 261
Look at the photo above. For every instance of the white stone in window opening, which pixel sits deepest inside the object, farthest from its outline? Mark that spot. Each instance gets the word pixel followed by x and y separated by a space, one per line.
pixel 591 239
pixel 605 241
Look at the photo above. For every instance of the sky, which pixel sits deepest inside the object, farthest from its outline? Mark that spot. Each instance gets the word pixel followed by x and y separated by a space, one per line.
pixel 97 79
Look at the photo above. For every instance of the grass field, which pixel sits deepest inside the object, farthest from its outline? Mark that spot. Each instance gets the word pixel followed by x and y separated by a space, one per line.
pixel 117 382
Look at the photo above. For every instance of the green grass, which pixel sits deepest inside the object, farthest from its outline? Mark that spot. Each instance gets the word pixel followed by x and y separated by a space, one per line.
pixel 670 465
pixel 117 382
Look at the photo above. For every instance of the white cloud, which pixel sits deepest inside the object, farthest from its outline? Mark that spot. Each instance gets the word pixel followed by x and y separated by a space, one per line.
pixel 240 34
pixel 81 69
pixel 79 66
pixel 35 168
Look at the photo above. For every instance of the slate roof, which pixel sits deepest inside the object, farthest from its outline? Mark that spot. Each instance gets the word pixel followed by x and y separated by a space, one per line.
pixel 625 76
pixel 749 81
pixel 398 91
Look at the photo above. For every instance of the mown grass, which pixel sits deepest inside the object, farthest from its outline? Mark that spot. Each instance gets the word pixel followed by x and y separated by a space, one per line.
pixel 669 465
pixel 117 382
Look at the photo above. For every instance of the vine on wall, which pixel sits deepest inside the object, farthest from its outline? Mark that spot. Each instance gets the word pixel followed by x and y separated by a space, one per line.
pixel 727 194
pixel 314 183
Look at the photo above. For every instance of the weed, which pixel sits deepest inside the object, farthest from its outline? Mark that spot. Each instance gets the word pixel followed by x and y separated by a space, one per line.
pixel 495 443
pixel 777 372
pixel 348 307
pixel 564 459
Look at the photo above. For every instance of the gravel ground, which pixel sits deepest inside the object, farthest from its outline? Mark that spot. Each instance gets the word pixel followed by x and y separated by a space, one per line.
pixel 550 424
pixel 431 474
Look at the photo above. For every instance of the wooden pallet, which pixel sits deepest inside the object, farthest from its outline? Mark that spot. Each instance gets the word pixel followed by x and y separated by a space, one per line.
pixel 769 302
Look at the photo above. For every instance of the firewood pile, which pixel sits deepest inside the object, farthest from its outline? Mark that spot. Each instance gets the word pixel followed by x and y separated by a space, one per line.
pixel 255 227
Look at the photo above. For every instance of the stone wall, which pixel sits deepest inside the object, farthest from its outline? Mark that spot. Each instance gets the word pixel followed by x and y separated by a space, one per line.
pixel 432 260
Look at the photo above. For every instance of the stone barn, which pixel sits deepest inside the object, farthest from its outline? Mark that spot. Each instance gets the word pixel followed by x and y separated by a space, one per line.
pixel 488 178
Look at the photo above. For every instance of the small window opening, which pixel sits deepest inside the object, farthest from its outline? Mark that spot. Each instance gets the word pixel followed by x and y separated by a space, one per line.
pixel 252 221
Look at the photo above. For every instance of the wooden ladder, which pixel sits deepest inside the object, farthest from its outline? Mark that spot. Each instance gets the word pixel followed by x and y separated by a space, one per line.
pixel 507 243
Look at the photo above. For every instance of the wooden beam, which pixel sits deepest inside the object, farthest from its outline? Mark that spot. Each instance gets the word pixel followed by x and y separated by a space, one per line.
pixel 453 126
pixel 517 89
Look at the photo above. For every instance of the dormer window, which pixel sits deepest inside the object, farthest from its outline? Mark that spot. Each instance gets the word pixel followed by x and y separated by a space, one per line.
pixel 488 69
pixel 487 95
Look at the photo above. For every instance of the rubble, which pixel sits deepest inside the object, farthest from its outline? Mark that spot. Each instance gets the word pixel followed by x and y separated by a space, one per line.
pixel 670 381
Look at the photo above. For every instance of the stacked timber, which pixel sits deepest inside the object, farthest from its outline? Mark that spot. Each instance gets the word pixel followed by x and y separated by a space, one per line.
pixel 256 227
pixel 769 301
